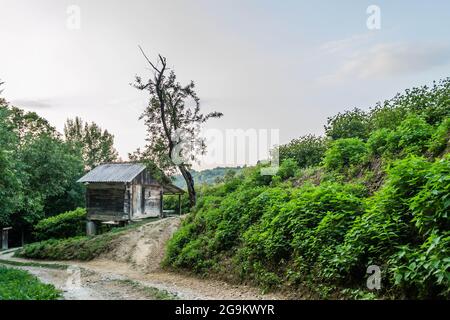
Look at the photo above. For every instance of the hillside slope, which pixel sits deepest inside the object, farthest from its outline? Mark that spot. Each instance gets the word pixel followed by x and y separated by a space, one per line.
pixel 376 197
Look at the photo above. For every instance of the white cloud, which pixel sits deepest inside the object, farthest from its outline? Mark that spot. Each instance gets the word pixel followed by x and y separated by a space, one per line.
pixel 342 45
pixel 390 59
pixel 32 103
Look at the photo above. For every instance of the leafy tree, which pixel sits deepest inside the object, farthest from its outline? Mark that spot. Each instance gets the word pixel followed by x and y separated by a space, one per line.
pixel 95 145
pixel 29 125
pixel 350 124
pixel 49 172
pixel 307 151
pixel 9 182
pixel 38 169
pixel 173 119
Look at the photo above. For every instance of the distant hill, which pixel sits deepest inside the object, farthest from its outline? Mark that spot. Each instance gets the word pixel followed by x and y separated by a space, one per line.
pixel 208 176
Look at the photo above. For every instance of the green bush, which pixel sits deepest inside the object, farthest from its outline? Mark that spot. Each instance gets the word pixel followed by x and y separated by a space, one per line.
pixel 65 225
pixel 429 103
pixel 345 153
pixel 307 151
pixel 76 248
pixel 325 236
pixel 170 202
pixel 431 205
pixel 288 168
pixel 349 124
pixel 413 135
pixel 379 142
pixel 439 142
pixel 410 207
pixel 20 285
pixel 423 271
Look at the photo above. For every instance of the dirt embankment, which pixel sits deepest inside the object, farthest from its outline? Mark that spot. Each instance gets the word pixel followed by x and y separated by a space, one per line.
pixel 143 247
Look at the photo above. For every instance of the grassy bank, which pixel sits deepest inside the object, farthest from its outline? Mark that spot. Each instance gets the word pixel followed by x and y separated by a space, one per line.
pixel 20 285
pixel 76 248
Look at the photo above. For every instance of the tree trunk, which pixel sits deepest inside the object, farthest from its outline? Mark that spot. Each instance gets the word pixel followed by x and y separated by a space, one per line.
pixel 190 184
pixel 160 92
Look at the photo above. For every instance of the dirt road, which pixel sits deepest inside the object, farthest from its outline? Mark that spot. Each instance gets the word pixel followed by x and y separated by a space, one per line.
pixel 131 271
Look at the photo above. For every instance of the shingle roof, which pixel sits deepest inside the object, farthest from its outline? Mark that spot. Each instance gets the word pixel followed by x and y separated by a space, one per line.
pixel 113 172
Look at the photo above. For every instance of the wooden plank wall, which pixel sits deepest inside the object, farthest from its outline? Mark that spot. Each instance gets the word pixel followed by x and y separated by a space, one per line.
pixel 105 201
pixel 153 200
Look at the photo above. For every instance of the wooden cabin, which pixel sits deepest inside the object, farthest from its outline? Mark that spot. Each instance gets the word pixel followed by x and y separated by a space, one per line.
pixel 124 192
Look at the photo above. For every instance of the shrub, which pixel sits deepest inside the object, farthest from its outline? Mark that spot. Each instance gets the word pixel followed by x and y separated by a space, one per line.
pixel 307 151
pixel 303 224
pixel 405 213
pixel 423 271
pixel 77 248
pixel 345 153
pixel 288 168
pixel 379 142
pixel 440 139
pixel 350 124
pixel 414 133
pixel 170 202
pixel 64 225
pixel 431 205
pixel 412 136
pixel 430 103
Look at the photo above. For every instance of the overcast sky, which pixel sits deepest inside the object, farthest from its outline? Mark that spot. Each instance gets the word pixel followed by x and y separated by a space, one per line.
pixel 264 64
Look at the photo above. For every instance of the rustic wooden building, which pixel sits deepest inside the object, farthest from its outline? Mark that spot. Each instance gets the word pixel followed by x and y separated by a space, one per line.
pixel 124 192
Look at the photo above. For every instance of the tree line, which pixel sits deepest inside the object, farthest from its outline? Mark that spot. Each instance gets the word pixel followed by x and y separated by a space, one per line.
pixel 39 166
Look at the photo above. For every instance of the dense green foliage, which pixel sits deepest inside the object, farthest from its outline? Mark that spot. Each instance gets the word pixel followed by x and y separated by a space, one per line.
pixel 95 145
pixel 307 151
pixel 9 182
pixel 170 202
pixel 350 124
pixel 64 225
pixel 20 285
pixel 39 168
pixel 345 153
pixel 380 196
pixel 76 248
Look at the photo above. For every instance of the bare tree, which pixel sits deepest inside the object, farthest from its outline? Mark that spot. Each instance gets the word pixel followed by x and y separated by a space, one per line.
pixel 173 119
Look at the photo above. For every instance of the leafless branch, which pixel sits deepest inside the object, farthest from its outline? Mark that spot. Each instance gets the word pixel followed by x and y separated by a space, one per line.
pixel 148 60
